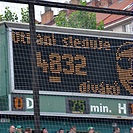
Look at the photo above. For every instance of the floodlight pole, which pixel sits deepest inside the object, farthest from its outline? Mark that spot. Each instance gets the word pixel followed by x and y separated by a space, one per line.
pixel 35 84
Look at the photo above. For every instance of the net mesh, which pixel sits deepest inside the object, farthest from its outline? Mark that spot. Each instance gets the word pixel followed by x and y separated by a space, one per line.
pixel 84 77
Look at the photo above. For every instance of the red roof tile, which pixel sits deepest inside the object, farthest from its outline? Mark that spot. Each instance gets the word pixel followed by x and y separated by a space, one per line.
pixel 110 18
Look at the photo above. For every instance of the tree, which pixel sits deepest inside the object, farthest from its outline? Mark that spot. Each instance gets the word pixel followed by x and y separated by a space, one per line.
pixel 8 15
pixel 12 16
pixel 79 19
pixel 25 15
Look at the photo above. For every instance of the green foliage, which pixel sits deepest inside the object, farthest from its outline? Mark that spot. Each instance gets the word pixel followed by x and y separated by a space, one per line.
pixel 1 17
pixel 83 2
pixel 8 15
pixel 78 19
pixel 100 26
pixel 61 19
pixel 11 16
pixel 25 15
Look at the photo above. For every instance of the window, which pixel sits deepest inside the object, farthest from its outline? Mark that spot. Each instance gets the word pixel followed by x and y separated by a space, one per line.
pixel 128 28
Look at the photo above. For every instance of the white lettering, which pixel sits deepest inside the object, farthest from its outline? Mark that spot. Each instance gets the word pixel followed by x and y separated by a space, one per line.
pixel 101 108
pixel 122 108
pixel 105 109
pixel 29 103
pixel 94 108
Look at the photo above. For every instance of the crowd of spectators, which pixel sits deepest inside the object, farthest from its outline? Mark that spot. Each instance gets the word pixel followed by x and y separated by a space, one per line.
pixel 19 129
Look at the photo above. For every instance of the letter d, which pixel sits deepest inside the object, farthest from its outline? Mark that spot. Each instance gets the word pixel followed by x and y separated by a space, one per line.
pixel 29 103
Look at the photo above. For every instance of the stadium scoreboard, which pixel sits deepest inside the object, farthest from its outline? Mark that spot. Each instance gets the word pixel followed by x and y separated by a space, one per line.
pixel 80 73
pixel 72 63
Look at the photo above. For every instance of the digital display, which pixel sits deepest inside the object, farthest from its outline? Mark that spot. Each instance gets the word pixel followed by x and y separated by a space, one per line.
pixel 77 105
pixel 130 108
pixel 18 103
pixel 73 63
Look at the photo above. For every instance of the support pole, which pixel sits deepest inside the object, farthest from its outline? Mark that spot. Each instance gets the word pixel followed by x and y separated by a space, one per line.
pixel 35 84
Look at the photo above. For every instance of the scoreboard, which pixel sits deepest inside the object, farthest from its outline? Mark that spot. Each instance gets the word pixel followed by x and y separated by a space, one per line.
pixel 74 106
pixel 72 63
pixel 80 73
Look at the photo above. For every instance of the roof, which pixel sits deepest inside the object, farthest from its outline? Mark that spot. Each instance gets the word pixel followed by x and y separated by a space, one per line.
pixel 110 18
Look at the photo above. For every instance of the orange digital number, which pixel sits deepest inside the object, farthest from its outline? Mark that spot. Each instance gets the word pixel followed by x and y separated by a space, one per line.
pixel 55 63
pixel 18 102
pixel 69 63
pixel 80 66
pixel 131 108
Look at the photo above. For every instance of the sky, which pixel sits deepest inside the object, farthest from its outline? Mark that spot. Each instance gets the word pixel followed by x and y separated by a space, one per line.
pixel 38 9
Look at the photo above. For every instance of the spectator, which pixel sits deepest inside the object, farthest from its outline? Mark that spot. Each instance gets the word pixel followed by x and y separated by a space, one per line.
pixel 28 130
pixel 12 129
pixel 90 130
pixel 116 130
pixel 73 129
pixel 19 129
pixel 131 130
pixel 61 130
pixel 44 130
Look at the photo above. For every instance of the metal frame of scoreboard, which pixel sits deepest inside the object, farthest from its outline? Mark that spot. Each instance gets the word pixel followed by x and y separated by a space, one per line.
pixel 69 39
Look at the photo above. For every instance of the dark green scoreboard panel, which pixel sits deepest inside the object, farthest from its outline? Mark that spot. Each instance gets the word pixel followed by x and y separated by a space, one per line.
pixel 74 106
pixel 73 63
